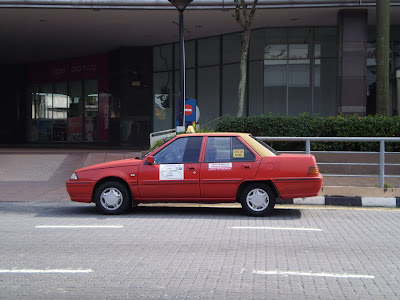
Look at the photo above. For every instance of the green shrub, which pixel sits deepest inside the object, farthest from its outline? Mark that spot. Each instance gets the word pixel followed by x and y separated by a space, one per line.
pixel 307 125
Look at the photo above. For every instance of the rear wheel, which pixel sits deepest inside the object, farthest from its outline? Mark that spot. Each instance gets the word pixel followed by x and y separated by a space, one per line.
pixel 257 199
pixel 112 198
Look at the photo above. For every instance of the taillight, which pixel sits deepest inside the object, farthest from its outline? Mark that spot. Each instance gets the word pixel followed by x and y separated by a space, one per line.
pixel 313 171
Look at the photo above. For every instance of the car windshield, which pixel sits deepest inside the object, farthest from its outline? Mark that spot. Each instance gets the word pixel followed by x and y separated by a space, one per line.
pixel 266 146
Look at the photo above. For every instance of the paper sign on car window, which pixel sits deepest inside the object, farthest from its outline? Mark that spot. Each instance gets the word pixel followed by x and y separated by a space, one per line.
pixel 238 153
pixel 171 172
pixel 220 167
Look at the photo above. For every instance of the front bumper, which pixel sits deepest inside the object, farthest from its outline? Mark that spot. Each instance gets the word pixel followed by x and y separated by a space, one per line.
pixel 80 191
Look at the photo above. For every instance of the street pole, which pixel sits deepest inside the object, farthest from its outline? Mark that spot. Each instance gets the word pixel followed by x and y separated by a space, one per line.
pixel 180 107
pixel 182 75
pixel 383 104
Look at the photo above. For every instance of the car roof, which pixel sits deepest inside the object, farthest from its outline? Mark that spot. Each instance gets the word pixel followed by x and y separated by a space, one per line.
pixel 253 143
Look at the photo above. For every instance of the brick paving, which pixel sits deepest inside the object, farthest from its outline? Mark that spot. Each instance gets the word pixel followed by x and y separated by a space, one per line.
pixel 198 253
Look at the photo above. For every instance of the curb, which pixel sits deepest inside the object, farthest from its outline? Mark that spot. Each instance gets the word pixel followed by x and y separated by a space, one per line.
pixel 345 201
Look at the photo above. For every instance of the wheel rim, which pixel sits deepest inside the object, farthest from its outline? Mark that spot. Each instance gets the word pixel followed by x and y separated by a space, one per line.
pixel 257 199
pixel 111 198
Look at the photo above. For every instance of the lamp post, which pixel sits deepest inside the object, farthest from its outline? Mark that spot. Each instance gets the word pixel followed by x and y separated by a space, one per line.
pixel 180 115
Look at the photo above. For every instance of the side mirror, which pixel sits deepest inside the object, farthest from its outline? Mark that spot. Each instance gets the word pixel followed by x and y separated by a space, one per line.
pixel 150 160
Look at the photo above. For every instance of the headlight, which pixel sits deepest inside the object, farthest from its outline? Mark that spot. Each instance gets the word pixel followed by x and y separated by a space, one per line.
pixel 74 176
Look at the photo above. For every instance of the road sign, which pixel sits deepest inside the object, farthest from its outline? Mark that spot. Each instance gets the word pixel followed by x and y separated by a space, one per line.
pixel 190 110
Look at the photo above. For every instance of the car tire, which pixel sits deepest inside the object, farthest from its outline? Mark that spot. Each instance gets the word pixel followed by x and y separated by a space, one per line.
pixel 257 199
pixel 112 198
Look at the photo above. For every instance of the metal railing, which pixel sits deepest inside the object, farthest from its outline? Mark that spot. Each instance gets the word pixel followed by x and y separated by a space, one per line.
pixel 380 140
pixel 160 135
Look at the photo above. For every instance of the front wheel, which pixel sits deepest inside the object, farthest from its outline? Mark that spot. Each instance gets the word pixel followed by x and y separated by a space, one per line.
pixel 257 199
pixel 112 198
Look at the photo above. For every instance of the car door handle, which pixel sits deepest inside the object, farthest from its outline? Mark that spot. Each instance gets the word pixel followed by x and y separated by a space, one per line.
pixel 191 168
pixel 246 166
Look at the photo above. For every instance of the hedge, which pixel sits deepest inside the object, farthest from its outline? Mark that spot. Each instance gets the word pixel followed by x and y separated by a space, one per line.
pixel 307 125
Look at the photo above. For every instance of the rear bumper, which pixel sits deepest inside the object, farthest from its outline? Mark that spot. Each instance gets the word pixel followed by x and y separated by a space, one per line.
pixel 80 191
pixel 298 187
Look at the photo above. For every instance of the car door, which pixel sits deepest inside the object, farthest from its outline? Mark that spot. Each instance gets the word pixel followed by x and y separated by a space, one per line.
pixel 227 162
pixel 175 173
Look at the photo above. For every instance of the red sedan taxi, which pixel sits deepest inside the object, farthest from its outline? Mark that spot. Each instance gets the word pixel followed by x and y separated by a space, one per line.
pixel 200 168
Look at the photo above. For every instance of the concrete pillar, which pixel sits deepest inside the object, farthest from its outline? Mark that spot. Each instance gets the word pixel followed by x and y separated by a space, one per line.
pixel 383 100
pixel 352 44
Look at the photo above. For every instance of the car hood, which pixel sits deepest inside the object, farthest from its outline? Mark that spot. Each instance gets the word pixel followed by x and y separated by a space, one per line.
pixel 112 164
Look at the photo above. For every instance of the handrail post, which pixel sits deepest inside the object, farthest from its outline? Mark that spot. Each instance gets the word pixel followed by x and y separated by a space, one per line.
pixel 308 146
pixel 382 164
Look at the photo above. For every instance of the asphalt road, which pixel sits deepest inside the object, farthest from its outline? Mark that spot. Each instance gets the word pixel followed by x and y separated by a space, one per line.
pixel 65 250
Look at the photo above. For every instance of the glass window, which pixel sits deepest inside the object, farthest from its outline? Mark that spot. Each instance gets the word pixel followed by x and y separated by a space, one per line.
pixel 182 150
pixel 190 83
pixel 190 57
pixel 163 101
pixel 227 149
pixel 75 111
pixel 218 149
pixel 46 101
pixel 230 87
pixel 240 152
pixel 35 98
pixel 193 148
pixel 46 112
pixel 208 51
pixel 256 86
pixel 325 87
pixel 162 58
pixel 298 51
pixel 325 44
pixel 256 49
pixel 275 52
pixel 75 104
pixel 275 44
pixel 208 96
pixel 60 105
pixel 33 131
pixel 275 88
pixel 232 48
pixel 91 97
pixel 60 100
pixel 299 88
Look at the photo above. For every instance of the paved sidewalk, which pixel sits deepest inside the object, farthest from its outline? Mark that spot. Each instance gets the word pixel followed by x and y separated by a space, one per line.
pixel 30 174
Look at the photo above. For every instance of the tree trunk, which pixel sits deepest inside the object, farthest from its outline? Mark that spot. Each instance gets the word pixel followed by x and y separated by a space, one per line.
pixel 243 72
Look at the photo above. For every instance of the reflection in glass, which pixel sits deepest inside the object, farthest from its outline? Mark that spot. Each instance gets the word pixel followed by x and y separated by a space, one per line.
pixel 163 102
pixel 75 112
pixel 275 52
pixel 60 101
pixel 162 58
pixel 46 101
pixel 91 108
pixel 208 51
pixel 208 96
pixel 230 85
pixel 299 88
pixel 275 89
pixel 298 51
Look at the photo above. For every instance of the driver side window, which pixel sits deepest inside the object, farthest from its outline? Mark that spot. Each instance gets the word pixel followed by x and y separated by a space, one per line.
pixel 182 150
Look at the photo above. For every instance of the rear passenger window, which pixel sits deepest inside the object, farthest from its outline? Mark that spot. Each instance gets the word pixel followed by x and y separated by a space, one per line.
pixel 240 152
pixel 227 149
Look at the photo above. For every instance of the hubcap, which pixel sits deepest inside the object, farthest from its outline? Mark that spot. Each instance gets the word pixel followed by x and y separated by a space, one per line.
pixel 257 199
pixel 111 198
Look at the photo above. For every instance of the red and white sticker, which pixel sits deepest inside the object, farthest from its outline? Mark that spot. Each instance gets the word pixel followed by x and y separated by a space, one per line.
pixel 220 167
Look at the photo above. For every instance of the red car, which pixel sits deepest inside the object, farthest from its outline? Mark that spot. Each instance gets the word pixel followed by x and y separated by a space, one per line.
pixel 200 168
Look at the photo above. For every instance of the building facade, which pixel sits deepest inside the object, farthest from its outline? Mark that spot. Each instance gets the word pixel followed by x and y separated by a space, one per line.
pixel 122 90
